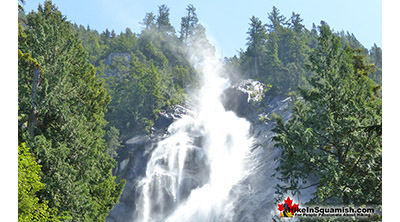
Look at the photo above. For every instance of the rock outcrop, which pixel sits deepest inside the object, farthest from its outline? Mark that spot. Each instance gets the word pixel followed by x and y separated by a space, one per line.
pixel 132 162
pixel 253 198
pixel 123 58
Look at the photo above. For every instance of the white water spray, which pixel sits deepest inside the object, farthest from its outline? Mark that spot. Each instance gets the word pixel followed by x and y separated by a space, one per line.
pixel 190 173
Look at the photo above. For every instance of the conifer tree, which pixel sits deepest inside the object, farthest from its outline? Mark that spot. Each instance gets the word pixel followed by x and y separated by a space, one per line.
pixel 189 23
pixel 30 207
pixel 149 21
pixel 68 103
pixel 162 22
pixel 335 131
pixel 276 19
pixel 256 44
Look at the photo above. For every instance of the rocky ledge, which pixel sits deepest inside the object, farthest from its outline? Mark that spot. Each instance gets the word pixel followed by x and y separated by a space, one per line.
pixel 133 158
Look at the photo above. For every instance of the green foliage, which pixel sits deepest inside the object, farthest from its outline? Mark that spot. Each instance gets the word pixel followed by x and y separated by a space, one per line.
pixel 113 142
pixel 143 72
pixel 335 129
pixel 163 24
pixel 30 208
pixel 189 23
pixel 256 45
pixel 136 98
pixel 65 109
pixel 277 52
pixel 376 57
pixel 149 21
pixel 277 20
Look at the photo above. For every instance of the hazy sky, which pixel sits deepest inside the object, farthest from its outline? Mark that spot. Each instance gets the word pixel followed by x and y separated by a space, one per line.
pixel 228 21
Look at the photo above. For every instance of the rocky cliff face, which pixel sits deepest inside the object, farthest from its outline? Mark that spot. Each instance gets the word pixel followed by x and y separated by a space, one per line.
pixel 253 197
pixel 121 58
pixel 133 160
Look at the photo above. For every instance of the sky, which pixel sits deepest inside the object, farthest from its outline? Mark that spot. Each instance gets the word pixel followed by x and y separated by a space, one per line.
pixel 227 21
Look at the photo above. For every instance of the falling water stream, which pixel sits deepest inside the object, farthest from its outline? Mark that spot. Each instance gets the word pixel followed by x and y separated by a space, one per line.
pixel 191 172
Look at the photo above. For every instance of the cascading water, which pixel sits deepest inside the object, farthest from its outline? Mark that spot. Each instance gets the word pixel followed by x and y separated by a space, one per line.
pixel 191 172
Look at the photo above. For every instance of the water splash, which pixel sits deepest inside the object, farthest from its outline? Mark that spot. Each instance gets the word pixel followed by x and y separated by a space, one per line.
pixel 190 173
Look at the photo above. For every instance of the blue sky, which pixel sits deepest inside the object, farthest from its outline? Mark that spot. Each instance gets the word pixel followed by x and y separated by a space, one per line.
pixel 228 21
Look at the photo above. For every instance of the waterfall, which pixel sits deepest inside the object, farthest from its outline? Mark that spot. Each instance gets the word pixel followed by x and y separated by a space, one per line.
pixel 191 172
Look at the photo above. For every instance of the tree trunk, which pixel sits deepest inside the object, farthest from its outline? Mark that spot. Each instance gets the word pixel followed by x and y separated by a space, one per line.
pixel 256 67
pixel 33 115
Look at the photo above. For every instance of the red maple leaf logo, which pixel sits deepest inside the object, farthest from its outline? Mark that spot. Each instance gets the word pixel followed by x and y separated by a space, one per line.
pixel 292 208
pixel 280 207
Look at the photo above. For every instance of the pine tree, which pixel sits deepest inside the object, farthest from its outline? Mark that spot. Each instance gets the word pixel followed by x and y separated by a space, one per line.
pixel 296 23
pixel 276 19
pixel 149 21
pixel 189 23
pixel 136 99
pixel 67 104
pixel 256 44
pixel 163 24
pixel 376 55
pixel 335 130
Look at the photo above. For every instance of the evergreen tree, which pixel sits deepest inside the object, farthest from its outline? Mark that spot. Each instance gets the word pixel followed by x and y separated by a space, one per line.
pixel 30 208
pixel 256 44
pixel 275 73
pixel 163 24
pixel 149 21
pixel 105 35
pixel 136 98
pixel 276 55
pixel 113 142
pixel 376 56
pixel 296 23
pixel 64 103
pixel 335 130
pixel 276 19
pixel 189 23
pixel 116 57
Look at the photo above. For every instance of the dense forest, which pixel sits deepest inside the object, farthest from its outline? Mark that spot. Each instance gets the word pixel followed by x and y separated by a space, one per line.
pixel 82 92
pixel 144 72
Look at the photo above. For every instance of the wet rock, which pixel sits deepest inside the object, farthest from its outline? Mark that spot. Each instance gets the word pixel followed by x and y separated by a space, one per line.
pixel 253 197
pixel 186 186
pixel 166 118
pixel 243 97
pixel 132 163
